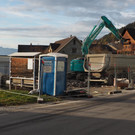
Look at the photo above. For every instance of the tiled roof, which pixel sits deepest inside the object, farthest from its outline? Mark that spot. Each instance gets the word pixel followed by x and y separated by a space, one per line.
pixel 63 43
pixel 58 45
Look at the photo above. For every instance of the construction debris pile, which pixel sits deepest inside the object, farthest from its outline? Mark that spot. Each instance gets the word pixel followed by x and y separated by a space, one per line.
pixel 76 84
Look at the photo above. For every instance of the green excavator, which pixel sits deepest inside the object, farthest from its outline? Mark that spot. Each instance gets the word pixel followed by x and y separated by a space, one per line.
pixel 76 65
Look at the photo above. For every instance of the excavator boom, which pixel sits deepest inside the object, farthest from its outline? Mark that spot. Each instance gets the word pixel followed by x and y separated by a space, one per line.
pixel 96 30
pixel 111 27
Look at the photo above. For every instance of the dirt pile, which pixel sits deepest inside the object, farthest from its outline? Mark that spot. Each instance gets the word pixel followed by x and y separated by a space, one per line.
pixel 76 84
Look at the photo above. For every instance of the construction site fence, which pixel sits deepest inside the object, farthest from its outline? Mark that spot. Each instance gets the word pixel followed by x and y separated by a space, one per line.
pixel 28 78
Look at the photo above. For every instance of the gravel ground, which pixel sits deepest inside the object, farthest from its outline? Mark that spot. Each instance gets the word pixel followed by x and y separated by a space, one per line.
pixel 95 89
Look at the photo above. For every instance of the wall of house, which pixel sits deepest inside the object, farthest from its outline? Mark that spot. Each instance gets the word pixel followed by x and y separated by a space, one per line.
pixel 73 50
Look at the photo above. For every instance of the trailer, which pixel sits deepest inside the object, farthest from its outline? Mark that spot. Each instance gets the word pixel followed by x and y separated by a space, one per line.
pixel 103 66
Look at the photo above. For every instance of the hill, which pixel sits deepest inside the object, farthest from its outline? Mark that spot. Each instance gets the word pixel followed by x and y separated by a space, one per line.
pixel 7 51
pixel 110 38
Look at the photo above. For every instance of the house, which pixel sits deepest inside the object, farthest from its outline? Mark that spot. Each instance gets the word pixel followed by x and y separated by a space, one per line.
pixel 70 46
pixel 129 44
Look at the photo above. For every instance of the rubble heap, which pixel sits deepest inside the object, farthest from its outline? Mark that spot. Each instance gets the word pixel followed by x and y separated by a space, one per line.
pixel 76 84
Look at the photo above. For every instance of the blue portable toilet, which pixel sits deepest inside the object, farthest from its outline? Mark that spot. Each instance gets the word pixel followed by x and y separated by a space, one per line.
pixel 52 75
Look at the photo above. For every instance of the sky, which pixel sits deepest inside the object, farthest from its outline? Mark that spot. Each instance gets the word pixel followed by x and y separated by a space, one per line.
pixel 42 22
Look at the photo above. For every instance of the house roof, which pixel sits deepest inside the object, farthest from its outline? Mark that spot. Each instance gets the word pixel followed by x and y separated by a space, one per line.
pixel 33 45
pixel 23 54
pixel 103 47
pixel 131 31
pixel 32 48
pixel 62 43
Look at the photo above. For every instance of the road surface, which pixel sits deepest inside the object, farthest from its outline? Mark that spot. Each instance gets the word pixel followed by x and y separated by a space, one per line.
pixel 111 115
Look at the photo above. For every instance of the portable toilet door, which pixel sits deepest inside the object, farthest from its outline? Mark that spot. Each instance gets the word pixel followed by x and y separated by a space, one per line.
pixel 61 69
pixel 47 75
pixel 52 78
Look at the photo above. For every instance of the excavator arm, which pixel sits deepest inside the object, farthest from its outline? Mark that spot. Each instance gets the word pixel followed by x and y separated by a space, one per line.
pixel 76 65
pixel 111 27
pixel 88 41
pixel 96 30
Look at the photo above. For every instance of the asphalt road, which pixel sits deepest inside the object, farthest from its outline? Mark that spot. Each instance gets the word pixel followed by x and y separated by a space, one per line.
pixel 112 115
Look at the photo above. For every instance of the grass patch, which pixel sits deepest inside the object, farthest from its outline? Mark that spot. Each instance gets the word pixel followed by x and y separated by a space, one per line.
pixel 7 99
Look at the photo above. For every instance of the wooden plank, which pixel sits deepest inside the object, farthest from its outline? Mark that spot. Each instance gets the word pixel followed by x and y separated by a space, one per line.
pixel 28 82
pixel 16 81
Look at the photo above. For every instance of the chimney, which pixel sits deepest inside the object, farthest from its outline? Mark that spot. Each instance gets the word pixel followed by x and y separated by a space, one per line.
pixel 70 36
pixel 30 43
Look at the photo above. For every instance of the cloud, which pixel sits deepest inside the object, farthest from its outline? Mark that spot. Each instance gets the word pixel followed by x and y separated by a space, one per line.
pixel 78 9
pixel 86 4
pixel 49 20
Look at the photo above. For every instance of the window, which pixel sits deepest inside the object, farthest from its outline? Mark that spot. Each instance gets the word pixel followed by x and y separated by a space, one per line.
pixel 74 50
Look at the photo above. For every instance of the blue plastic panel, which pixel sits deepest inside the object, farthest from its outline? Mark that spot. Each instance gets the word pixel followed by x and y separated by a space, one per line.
pixel 47 69
pixel 47 75
pixel 61 76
